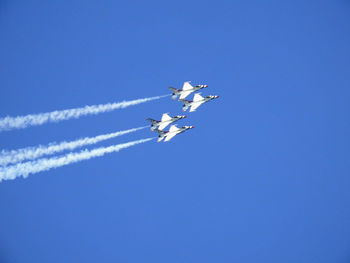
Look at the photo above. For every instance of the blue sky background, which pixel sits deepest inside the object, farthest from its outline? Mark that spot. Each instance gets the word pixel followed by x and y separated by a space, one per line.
pixel 264 176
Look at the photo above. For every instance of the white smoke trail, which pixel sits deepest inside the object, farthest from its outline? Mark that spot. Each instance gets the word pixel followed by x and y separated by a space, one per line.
pixel 9 123
pixel 24 169
pixel 31 153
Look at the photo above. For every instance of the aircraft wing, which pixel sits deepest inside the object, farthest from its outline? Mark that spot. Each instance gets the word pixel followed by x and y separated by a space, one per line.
pixel 195 106
pixel 173 128
pixel 187 86
pixel 185 93
pixel 163 125
pixel 166 117
pixel 170 136
pixel 197 97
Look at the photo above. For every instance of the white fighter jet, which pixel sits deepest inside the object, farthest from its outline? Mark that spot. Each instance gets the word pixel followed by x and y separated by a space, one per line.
pixel 186 90
pixel 165 121
pixel 168 135
pixel 197 101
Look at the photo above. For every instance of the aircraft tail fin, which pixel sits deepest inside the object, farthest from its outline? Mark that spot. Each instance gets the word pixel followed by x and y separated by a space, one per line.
pixel 186 104
pixel 152 121
pixel 175 93
pixel 161 134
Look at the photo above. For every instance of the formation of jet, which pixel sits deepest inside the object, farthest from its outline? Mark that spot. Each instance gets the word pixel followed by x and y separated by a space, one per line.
pixel 186 90
pixel 198 100
pixel 168 135
pixel 165 121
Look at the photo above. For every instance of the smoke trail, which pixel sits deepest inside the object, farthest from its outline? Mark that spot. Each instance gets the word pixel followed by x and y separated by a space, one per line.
pixel 9 123
pixel 31 153
pixel 24 169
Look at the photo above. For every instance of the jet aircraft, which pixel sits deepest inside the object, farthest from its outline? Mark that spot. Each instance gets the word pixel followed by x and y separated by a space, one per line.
pixel 186 90
pixel 165 121
pixel 173 131
pixel 197 101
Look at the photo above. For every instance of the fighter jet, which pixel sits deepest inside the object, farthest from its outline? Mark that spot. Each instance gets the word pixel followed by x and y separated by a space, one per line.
pixel 186 90
pixel 197 101
pixel 168 135
pixel 165 121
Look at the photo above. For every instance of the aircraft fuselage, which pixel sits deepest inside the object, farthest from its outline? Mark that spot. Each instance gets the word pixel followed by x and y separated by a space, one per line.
pixel 167 122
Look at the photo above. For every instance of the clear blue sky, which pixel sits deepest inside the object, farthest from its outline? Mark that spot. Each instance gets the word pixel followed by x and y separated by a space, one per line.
pixel 264 176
